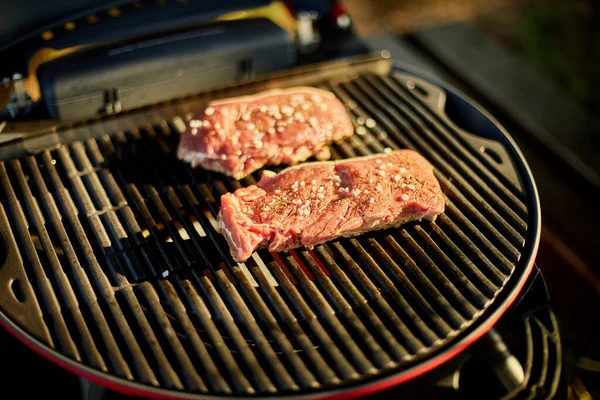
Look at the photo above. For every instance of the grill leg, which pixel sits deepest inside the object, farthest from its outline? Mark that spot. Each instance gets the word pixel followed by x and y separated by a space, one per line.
pixel 91 391
pixel 506 366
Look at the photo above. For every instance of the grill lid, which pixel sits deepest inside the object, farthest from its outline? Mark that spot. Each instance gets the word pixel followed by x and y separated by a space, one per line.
pixel 116 270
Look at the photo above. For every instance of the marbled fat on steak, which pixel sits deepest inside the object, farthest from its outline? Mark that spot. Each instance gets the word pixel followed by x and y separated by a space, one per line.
pixel 315 202
pixel 239 135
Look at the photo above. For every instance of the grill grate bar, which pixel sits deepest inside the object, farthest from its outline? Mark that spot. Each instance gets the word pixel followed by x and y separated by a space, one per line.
pixel 420 280
pixel 345 311
pixel 97 190
pixel 316 298
pixel 424 331
pixel 206 321
pixel 167 258
pixel 398 351
pixel 357 356
pixel 462 302
pixel 339 361
pixel 461 280
pixel 37 221
pixel 130 232
pixel 470 288
pixel 165 367
pixel 421 114
pixel 215 379
pixel 449 188
pixel 193 380
pixel 300 369
pixel 82 280
pixel 455 214
pixel 445 288
pixel 262 379
pixel 305 376
pixel 259 376
pixel 70 211
pixel 326 374
pixel 377 135
pixel 412 342
pixel 411 124
pixel 62 332
pixel 482 283
pixel 138 259
pixel 164 217
pixel 382 359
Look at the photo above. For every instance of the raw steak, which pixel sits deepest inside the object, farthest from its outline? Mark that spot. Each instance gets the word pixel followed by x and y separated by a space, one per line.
pixel 315 202
pixel 237 136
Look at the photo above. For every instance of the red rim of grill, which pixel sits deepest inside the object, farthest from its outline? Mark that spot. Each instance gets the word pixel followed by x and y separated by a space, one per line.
pixel 382 98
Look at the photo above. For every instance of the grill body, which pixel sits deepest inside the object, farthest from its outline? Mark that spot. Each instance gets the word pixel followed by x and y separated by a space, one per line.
pixel 115 271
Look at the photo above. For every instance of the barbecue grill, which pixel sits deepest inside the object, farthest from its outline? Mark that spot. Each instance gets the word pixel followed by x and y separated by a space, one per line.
pixel 113 269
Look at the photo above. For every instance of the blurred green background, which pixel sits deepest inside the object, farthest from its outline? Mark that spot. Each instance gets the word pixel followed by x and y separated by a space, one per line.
pixel 560 38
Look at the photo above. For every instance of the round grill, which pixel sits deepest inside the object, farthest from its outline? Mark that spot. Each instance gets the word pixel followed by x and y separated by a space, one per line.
pixel 116 271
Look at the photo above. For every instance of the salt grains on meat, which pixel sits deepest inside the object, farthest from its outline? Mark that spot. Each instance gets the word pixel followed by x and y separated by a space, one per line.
pixel 279 118
pixel 243 210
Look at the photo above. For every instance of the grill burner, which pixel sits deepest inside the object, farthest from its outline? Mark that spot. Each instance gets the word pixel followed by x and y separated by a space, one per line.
pixel 118 244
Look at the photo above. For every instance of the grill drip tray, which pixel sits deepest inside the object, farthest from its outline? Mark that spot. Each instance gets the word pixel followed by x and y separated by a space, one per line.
pixel 119 269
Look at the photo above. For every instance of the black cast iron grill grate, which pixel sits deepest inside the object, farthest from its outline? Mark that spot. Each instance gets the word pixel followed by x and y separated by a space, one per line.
pixel 118 242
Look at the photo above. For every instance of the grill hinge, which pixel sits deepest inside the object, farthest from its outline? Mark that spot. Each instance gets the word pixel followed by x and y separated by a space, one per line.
pixel 112 101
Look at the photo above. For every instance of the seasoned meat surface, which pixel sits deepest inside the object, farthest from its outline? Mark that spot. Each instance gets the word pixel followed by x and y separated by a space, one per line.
pixel 315 202
pixel 239 135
